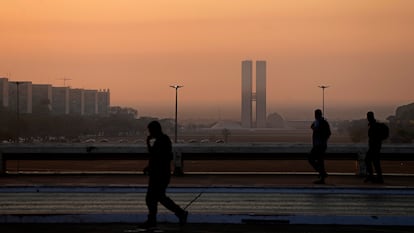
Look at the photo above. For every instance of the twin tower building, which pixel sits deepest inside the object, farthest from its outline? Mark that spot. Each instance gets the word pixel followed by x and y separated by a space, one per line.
pixel 253 98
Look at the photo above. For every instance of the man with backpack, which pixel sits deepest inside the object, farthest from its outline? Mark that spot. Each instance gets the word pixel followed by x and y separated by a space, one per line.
pixel 320 135
pixel 377 132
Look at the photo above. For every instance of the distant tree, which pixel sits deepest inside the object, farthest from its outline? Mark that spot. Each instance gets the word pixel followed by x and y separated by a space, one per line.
pixel 8 124
pixel 126 112
pixel 120 121
pixel 402 124
pixel 342 127
pixel 168 125
pixel 358 130
pixel 405 112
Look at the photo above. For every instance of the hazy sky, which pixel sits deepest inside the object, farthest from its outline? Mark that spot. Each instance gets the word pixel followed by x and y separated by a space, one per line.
pixel 363 49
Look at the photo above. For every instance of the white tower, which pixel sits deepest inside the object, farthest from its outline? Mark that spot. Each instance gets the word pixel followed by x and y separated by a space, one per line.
pixel 261 94
pixel 248 95
pixel 246 108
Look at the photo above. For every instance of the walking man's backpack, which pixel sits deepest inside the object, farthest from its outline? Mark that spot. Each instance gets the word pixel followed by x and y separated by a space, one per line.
pixel 383 131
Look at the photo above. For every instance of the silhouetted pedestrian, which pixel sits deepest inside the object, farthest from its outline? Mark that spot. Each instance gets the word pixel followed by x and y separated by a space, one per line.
pixel 159 170
pixel 375 137
pixel 320 135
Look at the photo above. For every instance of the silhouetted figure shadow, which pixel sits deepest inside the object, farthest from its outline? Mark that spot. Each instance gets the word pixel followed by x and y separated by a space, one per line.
pixel 159 171
pixel 321 133
pixel 375 138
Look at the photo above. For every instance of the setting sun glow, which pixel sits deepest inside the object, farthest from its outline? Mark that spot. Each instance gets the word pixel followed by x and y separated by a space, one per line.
pixel 363 50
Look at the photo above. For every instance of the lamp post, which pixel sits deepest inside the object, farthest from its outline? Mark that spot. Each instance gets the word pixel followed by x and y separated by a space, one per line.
pixel 323 87
pixel 176 87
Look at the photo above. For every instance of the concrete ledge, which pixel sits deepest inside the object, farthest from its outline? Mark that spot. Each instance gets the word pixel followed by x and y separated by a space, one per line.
pixel 142 189
pixel 214 218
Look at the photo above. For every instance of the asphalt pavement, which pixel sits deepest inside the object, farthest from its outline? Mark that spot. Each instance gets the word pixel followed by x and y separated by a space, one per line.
pixel 238 202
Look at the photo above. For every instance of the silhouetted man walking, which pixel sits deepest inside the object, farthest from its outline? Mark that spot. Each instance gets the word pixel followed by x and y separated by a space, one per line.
pixel 159 170
pixel 320 135
pixel 375 137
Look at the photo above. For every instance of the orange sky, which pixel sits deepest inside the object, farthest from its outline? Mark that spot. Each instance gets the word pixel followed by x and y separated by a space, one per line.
pixel 363 49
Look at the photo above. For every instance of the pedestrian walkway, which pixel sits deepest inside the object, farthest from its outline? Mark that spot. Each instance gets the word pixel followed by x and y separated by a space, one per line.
pixel 390 206
pixel 232 198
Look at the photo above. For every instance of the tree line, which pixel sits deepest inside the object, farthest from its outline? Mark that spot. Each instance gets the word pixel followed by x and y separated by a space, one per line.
pixel 119 122
pixel 125 122
pixel 401 126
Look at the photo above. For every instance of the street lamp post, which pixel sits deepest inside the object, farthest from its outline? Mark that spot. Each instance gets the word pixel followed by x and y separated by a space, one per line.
pixel 176 87
pixel 323 87
pixel 178 163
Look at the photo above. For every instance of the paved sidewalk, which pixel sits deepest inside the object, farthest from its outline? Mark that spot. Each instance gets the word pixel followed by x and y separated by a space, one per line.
pixel 390 206
pixel 199 228
pixel 213 198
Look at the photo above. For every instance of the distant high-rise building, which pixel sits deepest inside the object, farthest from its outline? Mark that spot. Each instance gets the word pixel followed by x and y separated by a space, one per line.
pixel 4 92
pixel 261 94
pixel 42 98
pixel 60 103
pixel 77 101
pixel 20 93
pixel 103 102
pixel 246 108
pixel 249 96
pixel 91 102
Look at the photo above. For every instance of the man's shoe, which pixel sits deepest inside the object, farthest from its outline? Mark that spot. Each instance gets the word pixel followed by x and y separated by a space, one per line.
pixel 322 176
pixel 321 181
pixel 379 180
pixel 183 218
pixel 148 225
pixel 369 179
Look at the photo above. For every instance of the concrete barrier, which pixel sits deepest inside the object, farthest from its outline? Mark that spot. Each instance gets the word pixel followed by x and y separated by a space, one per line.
pixel 183 152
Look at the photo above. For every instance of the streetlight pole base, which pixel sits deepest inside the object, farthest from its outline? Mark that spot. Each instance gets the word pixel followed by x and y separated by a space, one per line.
pixel 178 171
pixel 178 164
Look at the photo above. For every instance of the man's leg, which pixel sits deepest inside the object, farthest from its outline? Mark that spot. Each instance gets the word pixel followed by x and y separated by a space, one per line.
pixel 377 165
pixel 319 164
pixel 172 206
pixel 322 171
pixel 368 164
pixel 151 200
pixel 312 158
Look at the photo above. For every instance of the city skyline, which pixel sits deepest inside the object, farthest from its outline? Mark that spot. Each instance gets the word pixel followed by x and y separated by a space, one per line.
pixel 27 97
pixel 362 49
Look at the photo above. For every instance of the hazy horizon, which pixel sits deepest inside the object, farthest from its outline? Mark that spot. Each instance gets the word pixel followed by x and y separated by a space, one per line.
pixel 301 112
pixel 362 49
